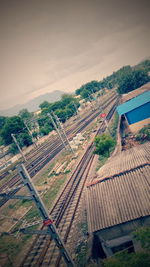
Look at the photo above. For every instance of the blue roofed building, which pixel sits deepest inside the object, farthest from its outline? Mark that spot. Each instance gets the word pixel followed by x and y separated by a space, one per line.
pixel 136 111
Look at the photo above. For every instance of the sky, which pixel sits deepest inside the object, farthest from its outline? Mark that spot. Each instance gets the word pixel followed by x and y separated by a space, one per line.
pixel 48 45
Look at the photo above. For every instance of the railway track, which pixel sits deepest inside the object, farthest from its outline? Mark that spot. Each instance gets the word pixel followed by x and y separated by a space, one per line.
pixel 43 251
pixel 50 151
pixel 37 153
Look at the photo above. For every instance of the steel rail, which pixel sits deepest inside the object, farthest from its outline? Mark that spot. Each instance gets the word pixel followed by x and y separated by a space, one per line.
pixel 59 216
pixel 42 162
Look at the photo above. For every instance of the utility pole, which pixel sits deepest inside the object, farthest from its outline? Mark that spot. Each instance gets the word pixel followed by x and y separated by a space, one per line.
pixel 3 154
pixel 107 127
pixel 46 218
pixel 76 109
pixel 62 132
pixel 57 130
pixel 17 144
pixel 90 98
pixel 30 133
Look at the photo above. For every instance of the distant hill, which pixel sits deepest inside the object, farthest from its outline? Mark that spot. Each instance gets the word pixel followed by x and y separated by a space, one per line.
pixel 33 104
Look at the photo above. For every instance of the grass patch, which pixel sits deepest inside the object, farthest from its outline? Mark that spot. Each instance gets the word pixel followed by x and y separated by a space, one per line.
pixel 82 247
pixel 113 131
pixel 32 213
pixel 113 127
pixel 10 246
pixel 101 162
pixel 81 252
pixel 52 193
pixel 144 134
pixel 7 178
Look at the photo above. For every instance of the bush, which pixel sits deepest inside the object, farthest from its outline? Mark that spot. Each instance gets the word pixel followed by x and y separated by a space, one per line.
pixel 143 235
pixel 13 149
pixel 144 134
pixel 103 144
pixel 138 259
pixel 35 134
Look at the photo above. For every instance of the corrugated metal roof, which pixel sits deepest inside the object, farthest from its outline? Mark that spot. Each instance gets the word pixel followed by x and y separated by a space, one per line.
pixel 123 197
pixel 125 160
pixel 119 199
pixel 136 92
pixel 134 103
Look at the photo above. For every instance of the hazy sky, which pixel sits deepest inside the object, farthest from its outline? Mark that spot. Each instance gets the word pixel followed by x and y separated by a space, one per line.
pixel 48 45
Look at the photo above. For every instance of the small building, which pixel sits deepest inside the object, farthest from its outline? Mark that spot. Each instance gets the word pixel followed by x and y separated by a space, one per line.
pixel 136 111
pixel 136 92
pixel 37 112
pixel 118 201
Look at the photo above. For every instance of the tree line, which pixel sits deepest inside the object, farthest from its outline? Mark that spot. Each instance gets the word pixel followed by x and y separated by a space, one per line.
pixel 124 80
pixel 24 123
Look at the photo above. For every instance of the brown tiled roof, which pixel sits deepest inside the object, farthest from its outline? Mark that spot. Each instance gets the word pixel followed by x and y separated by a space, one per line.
pixel 134 93
pixel 123 197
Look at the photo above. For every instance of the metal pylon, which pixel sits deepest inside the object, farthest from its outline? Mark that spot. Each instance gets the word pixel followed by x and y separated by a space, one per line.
pixel 62 133
pixel 46 218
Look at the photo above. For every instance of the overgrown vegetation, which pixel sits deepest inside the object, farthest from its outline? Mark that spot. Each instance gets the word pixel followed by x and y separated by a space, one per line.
pixel 15 125
pixel 64 109
pixel 144 134
pixel 128 260
pixel 125 80
pixel 143 235
pixel 113 131
pixel 114 125
pixel 52 193
pixel 82 247
pixel 103 144
pixel 38 125
pixel 10 246
pixel 137 259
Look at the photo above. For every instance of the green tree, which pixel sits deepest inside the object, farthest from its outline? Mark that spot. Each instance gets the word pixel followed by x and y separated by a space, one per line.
pixel 13 149
pixel 125 79
pixel 35 134
pixel 12 125
pixel 66 99
pixel 144 65
pixel 85 94
pixel 89 88
pixel 25 114
pixel 61 113
pixel 132 80
pixel 2 121
pixel 103 143
pixel 44 104
pixel 15 125
pixel 43 131
pixel 45 125
pixel 25 139
pixel 78 91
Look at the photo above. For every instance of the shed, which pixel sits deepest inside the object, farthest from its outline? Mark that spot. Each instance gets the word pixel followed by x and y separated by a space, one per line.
pixel 118 203
pixel 136 111
pixel 136 92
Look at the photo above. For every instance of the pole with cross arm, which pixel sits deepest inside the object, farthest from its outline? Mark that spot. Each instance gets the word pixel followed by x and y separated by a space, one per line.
pixel 47 221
